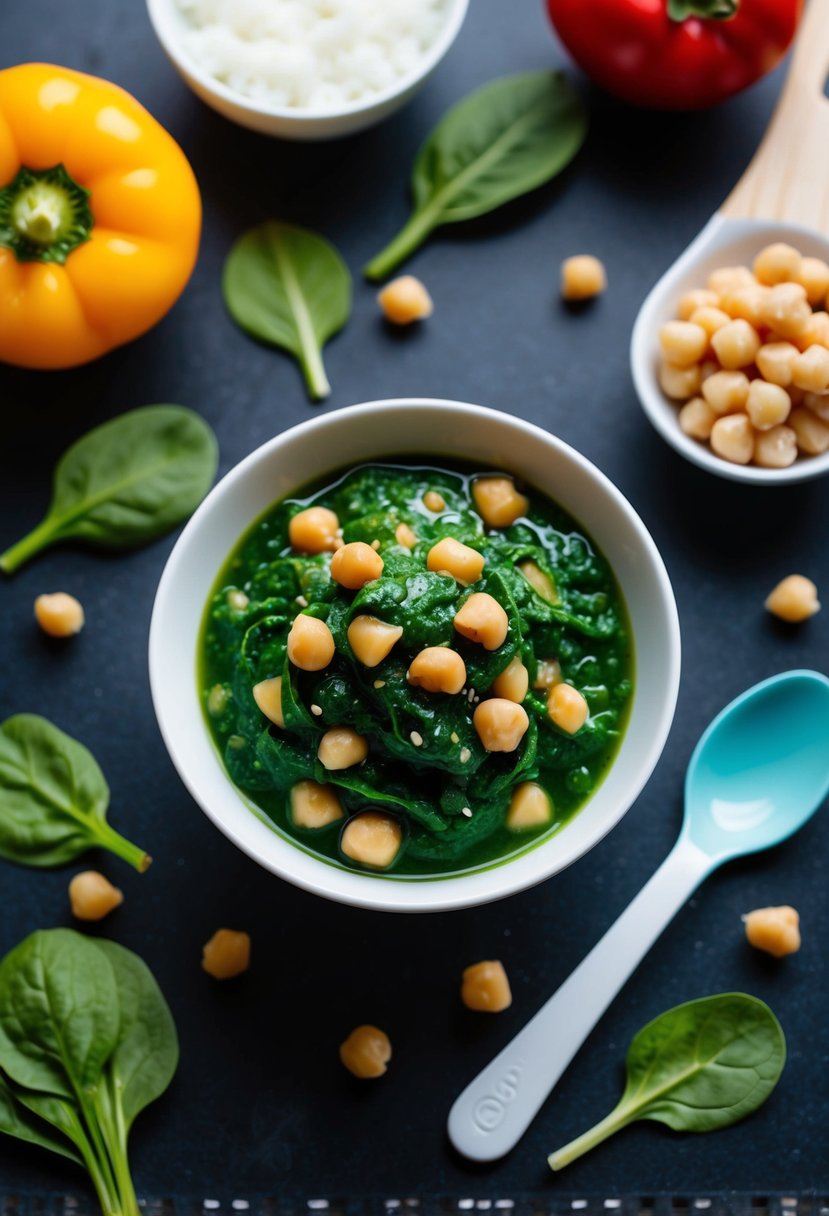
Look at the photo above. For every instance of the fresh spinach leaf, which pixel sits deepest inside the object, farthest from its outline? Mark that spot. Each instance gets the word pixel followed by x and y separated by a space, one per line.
pixel 54 798
pixel 289 287
pixel 20 1121
pixel 126 482
pixel 698 1067
pixel 503 140
pixel 146 1054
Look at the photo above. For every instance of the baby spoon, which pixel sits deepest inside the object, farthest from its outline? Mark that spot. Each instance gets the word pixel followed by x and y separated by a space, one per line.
pixel 782 196
pixel 758 773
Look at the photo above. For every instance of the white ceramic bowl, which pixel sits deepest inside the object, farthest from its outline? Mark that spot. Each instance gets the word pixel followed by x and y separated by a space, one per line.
pixel 290 123
pixel 722 242
pixel 385 429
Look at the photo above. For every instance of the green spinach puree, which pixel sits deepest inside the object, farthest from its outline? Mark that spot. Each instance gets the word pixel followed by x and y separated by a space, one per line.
pixel 426 765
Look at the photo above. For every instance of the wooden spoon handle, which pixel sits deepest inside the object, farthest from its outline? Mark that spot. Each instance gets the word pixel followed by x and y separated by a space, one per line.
pixel 788 179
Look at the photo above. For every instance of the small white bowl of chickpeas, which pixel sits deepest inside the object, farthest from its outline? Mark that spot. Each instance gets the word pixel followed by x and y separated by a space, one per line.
pixel 730 353
pixel 363 434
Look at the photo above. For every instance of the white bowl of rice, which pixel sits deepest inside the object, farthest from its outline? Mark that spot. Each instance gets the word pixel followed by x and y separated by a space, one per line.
pixel 306 69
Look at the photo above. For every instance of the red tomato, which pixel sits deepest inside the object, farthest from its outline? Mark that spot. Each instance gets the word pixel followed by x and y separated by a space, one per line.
pixel 675 54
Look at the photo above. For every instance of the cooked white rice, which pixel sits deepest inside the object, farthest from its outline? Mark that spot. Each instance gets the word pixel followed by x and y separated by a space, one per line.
pixel 311 54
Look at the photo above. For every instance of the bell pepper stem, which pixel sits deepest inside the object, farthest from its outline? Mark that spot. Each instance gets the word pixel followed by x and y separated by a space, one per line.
pixel 44 215
pixel 711 10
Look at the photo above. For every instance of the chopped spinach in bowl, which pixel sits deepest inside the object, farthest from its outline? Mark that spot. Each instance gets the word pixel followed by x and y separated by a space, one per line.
pixel 409 760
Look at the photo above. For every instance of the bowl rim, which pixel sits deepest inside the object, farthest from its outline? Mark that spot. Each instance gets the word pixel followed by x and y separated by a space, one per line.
pixel 446 892
pixel 163 21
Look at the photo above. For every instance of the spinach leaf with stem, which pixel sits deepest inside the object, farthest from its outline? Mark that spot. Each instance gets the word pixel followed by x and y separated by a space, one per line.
pixel 86 1042
pixel 501 141
pixel 126 482
pixel 54 798
pixel 700 1066
pixel 289 287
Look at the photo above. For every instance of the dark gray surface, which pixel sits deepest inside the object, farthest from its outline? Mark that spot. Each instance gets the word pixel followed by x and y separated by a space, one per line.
pixel 260 1103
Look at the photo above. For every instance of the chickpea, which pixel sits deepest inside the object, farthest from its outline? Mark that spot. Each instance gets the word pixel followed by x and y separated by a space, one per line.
pixel 812 433
pixel 92 897
pixel 818 403
pixel 372 639
pixel 366 1052
pixel 683 343
pixel 736 344
pixel 404 536
pixel 775 930
pixel 548 673
pixel 341 747
pixel 310 643
pixel 513 682
pixel 227 954
pixel 567 708
pixel 434 502
pixel 582 277
pixel 794 599
pixel 485 987
pixel 529 808
pixel 775 361
pixel 810 370
pixel 768 405
pixel 679 383
pixel 462 562
pixel 694 300
pixel 726 392
pixel 778 263
pixel 405 300
pixel 313 530
pixel 499 503
pixel 710 319
pixel 540 582
pixel 501 724
pixel 814 277
pixel 482 619
pixel 438 669
pixel 727 277
pixel 697 418
pixel 732 438
pixel 372 838
pixel 268 696
pixel 60 615
pixel 816 332
pixel 775 449
pixel 745 303
pixel 356 564
pixel 314 806
pixel 786 310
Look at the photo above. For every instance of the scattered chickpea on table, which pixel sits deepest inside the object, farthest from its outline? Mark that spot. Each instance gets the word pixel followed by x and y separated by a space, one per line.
pixel 485 987
pixel 774 930
pixel 794 599
pixel 92 896
pixel 583 277
pixel 749 357
pixel 59 614
pixel 227 954
pixel 366 1052
pixel 405 300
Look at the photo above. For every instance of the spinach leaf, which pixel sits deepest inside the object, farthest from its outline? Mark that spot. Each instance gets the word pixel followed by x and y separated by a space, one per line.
pixel 698 1067
pixel 146 1055
pixel 54 798
pixel 501 141
pixel 126 482
pixel 18 1120
pixel 289 287
pixel 58 1013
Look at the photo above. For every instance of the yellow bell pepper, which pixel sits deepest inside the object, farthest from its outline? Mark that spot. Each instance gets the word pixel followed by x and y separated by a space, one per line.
pixel 100 217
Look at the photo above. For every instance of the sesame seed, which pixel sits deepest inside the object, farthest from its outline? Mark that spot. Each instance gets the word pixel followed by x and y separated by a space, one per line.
pixel 416 738
pixel 476 699
pixel 455 737
pixel 301 600
pixel 470 696
pixel 465 755
pixel 317 710
pixel 467 812
pixel 379 683
pixel 375 544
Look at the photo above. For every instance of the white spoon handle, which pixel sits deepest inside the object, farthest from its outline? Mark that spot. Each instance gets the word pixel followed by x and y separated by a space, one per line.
pixel 495 1109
